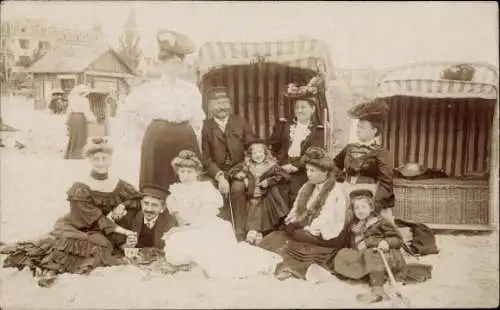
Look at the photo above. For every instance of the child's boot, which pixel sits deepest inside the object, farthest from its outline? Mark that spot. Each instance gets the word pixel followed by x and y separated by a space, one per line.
pixel 376 294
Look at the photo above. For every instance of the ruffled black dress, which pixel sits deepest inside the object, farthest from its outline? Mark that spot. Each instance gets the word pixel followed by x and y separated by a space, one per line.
pixel 82 239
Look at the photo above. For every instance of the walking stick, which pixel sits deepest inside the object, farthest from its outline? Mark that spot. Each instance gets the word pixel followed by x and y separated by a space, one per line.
pixel 228 197
pixel 396 296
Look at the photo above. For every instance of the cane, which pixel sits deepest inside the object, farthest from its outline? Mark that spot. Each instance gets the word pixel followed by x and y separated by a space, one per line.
pixel 397 298
pixel 228 197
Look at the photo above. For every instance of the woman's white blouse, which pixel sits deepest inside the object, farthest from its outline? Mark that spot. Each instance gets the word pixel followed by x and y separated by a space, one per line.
pixel 330 222
pixel 298 133
pixel 79 104
pixel 176 102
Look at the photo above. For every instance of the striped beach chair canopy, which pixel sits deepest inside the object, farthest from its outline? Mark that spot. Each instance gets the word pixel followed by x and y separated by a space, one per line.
pixel 440 80
pixel 308 53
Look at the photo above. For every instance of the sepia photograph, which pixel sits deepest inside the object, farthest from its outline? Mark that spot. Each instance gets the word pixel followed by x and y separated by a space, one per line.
pixel 249 154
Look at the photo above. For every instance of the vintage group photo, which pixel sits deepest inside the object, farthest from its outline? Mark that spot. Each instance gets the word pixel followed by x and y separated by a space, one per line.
pixel 249 155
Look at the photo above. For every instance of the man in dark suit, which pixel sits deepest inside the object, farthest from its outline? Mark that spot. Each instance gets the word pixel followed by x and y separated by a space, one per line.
pixel 224 136
pixel 150 222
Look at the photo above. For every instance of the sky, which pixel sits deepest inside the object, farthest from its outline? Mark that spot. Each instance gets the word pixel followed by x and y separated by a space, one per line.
pixel 359 34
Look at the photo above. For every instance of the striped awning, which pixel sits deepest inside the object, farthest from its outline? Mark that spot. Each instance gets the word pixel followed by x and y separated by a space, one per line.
pixel 425 80
pixel 307 54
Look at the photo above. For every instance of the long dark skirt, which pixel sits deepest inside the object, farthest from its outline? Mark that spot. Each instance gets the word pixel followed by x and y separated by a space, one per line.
pixel 65 250
pixel 78 131
pixel 162 142
pixel 300 249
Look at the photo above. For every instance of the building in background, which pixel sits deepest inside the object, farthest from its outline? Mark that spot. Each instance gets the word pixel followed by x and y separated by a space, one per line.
pixel 25 41
pixel 24 38
pixel 98 66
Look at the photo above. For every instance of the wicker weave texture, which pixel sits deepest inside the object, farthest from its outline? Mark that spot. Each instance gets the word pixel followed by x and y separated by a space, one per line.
pixel 443 204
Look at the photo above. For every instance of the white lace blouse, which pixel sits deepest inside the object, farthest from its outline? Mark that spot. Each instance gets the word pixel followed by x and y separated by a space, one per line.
pixel 175 101
pixel 194 203
pixel 298 133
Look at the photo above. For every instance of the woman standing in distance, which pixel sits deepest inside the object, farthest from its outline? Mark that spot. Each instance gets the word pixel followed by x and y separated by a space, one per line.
pixel 78 117
pixel 171 109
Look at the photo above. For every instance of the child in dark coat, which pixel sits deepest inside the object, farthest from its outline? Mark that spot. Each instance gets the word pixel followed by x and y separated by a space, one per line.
pixel 266 206
pixel 367 232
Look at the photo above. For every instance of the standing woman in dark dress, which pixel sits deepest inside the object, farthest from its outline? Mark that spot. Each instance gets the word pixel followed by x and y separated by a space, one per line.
pixel 78 117
pixel 171 111
pixel 290 139
pixel 366 161
pixel 82 239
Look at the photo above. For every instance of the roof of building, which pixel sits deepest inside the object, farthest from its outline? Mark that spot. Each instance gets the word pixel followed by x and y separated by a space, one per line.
pixel 71 59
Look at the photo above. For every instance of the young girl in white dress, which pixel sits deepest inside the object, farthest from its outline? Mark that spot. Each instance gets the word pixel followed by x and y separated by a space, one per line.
pixel 202 238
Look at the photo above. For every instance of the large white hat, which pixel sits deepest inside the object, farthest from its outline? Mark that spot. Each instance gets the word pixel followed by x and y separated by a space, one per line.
pixel 81 89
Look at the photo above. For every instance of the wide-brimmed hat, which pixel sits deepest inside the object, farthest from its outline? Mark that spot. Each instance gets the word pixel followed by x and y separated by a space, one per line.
pixel 318 157
pixel 81 89
pixel 307 92
pixel 174 42
pixel 375 110
pixel 98 144
pixel 57 91
pixel 411 169
pixel 155 192
pixel 218 92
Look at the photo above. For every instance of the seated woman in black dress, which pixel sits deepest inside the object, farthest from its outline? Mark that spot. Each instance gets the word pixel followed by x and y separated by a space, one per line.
pixel 80 240
pixel 291 138
pixel 314 225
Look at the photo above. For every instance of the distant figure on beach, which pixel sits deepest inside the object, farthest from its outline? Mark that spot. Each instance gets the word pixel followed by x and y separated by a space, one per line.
pixel 58 104
pixel 78 117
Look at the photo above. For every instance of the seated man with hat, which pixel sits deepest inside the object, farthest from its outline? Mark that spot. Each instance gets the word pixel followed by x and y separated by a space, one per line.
pixel 150 222
pixel 224 137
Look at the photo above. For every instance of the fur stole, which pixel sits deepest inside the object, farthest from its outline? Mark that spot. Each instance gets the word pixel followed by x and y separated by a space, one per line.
pixel 306 216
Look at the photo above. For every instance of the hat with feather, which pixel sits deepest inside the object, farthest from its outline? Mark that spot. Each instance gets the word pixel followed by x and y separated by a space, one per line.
pixel 307 92
pixel 373 111
pixel 173 43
